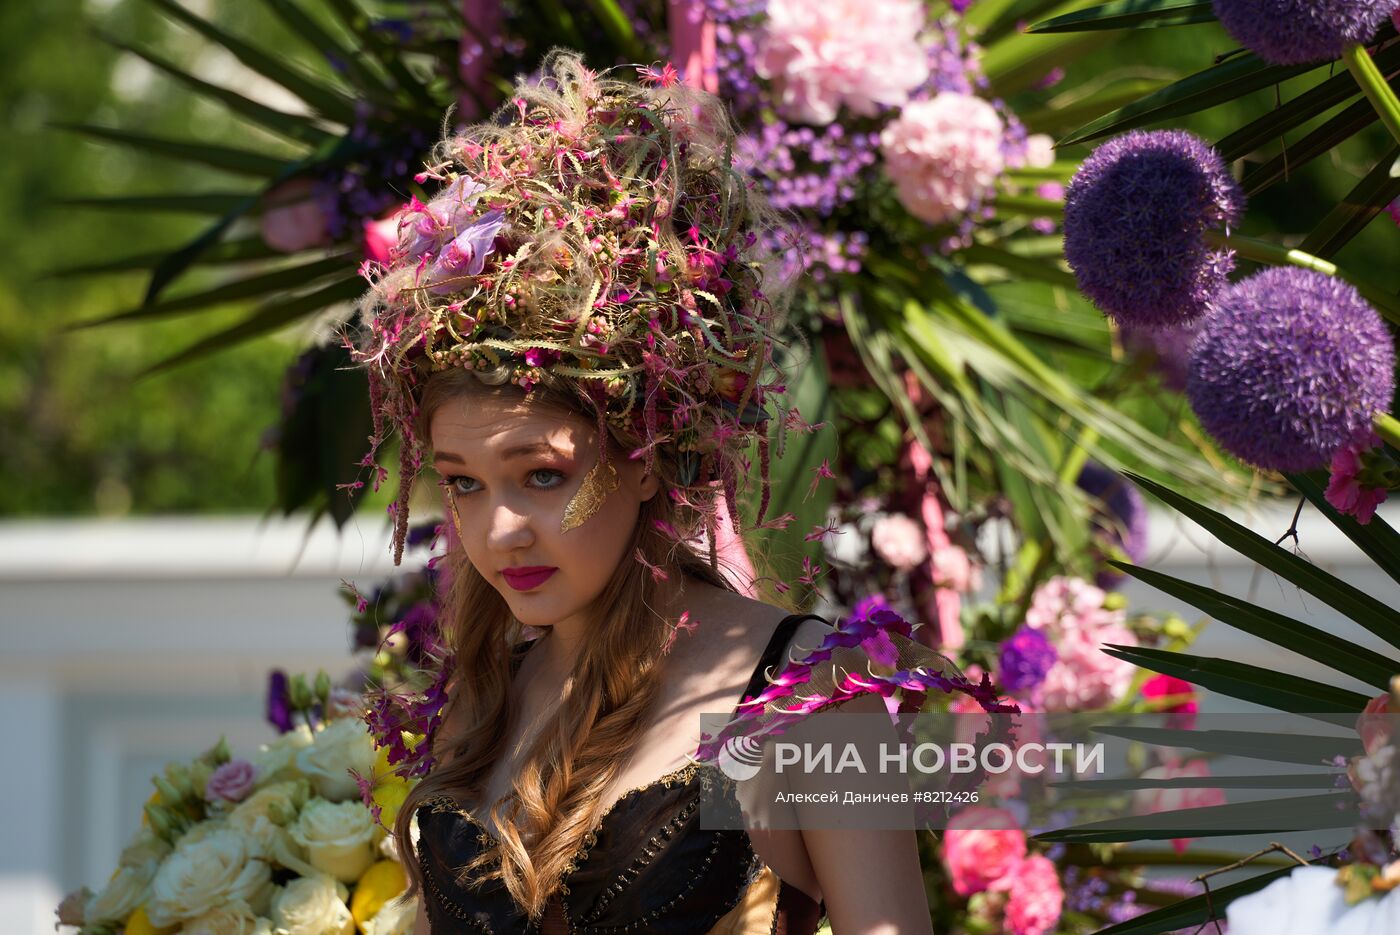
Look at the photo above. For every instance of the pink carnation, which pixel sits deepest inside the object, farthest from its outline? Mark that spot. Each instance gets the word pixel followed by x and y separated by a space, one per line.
pixel 860 53
pixel 899 541
pixel 943 154
pixel 1345 490
pixel 1035 897
pixel 981 846
pixel 231 782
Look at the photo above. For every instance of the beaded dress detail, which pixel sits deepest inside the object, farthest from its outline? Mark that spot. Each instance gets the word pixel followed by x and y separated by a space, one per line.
pixel 646 867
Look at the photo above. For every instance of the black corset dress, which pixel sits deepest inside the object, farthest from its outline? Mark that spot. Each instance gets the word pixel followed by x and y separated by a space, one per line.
pixel 647 867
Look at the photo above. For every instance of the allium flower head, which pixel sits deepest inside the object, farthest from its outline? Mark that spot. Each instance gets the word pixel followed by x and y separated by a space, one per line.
pixel 944 154
pixel 1290 365
pixel 1135 216
pixel 1120 516
pixel 857 53
pixel 1289 32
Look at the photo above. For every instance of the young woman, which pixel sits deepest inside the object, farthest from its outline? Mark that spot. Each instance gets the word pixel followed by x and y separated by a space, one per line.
pixel 575 333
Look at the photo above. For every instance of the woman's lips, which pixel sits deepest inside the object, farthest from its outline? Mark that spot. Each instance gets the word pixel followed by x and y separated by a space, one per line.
pixel 525 579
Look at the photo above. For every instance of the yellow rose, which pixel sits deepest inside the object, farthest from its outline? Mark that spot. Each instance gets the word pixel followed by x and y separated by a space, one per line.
pixel 376 886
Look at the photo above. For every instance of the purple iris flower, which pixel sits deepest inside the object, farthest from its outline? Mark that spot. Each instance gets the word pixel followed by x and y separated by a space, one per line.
pixel 279 701
pixel 465 255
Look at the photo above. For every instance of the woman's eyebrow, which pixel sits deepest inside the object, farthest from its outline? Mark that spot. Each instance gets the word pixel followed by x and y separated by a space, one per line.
pixel 515 451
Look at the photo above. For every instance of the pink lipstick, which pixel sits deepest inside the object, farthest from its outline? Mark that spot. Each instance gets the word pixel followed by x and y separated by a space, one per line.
pixel 528 577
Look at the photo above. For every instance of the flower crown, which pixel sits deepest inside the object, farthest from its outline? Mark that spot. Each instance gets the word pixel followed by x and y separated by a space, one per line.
pixel 594 236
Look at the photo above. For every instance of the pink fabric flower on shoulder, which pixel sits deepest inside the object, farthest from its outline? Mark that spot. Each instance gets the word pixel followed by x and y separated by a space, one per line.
pixel 944 154
pixel 982 845
pixel 856 53
pixel 1035 896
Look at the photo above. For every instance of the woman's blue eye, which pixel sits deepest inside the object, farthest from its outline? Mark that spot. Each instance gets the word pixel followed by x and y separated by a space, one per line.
pixel 551 480
pixel 456 484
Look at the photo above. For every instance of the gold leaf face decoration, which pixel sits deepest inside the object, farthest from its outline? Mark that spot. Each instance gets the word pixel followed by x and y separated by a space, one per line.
pixel 589 497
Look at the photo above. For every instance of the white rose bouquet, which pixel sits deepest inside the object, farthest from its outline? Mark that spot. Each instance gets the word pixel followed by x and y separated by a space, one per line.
pixel 289 841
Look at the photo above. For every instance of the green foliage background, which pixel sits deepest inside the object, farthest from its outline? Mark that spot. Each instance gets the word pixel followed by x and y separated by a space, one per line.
pixel 79 435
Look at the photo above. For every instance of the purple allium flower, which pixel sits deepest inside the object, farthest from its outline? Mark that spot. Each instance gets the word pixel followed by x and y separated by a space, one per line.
pixel 1135 214
pixel 1290 32
pixel 1290 365
pixel 1122 519
pixel 279 701
pixel 1026 658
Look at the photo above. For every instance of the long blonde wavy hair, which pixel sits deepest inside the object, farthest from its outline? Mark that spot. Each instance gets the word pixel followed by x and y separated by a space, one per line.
pixel 603 706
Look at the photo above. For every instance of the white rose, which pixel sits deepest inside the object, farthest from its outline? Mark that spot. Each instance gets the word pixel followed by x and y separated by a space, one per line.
pixel 396 917
pixel 205 873
pixel 128 889
pixel 343 745
pixel 231 919
pixel 312 906
pixel 263 815
pixel 338 837
pixel 144 848
pixel 277 760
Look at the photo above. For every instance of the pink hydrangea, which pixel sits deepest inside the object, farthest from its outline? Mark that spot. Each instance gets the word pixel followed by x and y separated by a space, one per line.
pixel 899 541
pixel 231 782
pixel 981 846
pixel 856 53
pixel 944 154
pixel 1035 897
pixel 1070 612
pixel 1345 491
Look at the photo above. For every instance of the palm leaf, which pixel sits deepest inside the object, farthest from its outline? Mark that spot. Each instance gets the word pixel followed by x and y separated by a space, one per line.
pixel 1341 654
pixel 323 98
pixel 1129 14
pixel 197 203
pixel 232 251
pixel 268 318
pixel 385 52
pixel 1236 77
pixel 225 158
pixel 348 60
pixel 1370 613
pixel 1246 682
pixel 1368 198
pixel 291 126
pixel 1331 134
pixel 1377 539
pixel 1298 111
pixel 278 280
pixel 1324 811
pixel 1197 910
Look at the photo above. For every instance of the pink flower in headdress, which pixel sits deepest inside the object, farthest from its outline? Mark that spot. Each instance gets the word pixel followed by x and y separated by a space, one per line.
pixel 981 846
pixel 465 255
pixel 381 237
pixel 857 53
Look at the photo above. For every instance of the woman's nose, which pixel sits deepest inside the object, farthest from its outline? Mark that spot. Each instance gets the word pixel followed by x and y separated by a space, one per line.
pixel 508 528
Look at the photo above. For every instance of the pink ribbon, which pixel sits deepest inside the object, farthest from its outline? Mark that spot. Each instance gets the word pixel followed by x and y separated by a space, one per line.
pixel 945 604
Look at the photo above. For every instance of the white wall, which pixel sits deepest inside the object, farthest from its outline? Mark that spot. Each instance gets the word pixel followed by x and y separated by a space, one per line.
pixel 124 645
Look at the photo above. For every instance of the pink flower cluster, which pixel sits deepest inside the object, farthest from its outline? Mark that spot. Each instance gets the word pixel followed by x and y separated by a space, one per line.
pixel 1071 614
pixel 985 851
pixel 1174 799
pixel 944 154
pixel 854 53
pixel 1346 489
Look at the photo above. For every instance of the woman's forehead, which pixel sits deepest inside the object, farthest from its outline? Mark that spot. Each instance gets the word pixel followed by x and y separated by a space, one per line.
pixel 502 427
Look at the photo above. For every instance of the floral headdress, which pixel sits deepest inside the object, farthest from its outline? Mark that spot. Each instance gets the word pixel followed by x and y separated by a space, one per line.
pixel 595 237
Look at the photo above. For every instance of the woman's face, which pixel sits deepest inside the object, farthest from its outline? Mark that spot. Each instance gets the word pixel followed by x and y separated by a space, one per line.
pixel 512 467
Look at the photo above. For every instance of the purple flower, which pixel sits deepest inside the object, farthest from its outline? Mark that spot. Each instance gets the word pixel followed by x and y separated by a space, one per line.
pixel 231 782
pixel 1026 657
pixel 868 605
pixel 1290 32
pixel 465 255
pixel 1135 216
pixel 1290 365
pixel 279 701
pixel 1122 518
